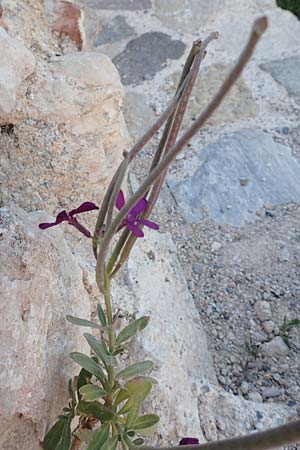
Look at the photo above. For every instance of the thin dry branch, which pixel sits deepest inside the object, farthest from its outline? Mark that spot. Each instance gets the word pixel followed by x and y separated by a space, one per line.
pixel 258 29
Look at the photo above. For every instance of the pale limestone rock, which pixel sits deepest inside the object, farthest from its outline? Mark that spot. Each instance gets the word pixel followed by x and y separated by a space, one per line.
pixel 239 416
pixel 274 348
pixel 174 340
pixel 17 63
pixel 69 136
pixel 263 310
pixel 41 283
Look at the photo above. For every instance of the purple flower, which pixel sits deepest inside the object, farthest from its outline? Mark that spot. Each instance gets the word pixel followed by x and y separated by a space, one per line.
pixel 189 441
pixel 63 216
pixel 132 218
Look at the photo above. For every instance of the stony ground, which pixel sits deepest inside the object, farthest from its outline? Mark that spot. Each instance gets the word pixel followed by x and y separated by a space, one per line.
pixel 238 235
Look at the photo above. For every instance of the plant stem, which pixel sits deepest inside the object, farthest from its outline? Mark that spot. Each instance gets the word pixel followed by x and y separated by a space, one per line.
pixel 258 29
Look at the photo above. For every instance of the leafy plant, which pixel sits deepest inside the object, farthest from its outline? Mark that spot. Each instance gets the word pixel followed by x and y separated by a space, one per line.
pixel 107 397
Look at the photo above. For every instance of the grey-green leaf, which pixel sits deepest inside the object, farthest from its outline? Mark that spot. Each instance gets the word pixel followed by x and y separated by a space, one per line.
pixel 91 392
pixel 99 349
pixel 89 364
pixel 83 322
pixel 146 421
pixel 111 443
pixel 65 442
pixel 99 437
pixel 130 330
pixel 53 436
pixel 101 315
pixel 95 410
pixel 135 369
pixel 134 410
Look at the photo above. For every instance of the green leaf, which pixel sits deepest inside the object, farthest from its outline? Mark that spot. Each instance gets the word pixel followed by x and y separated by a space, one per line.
pixel 146 421
pixel 84 435
pixel 100 349
pixel 95 410
pixel 135 369
pixel 138 441
pixel 91 392
pixel 83 322
pixel 101 315
pixel 71 391
pixel 53 436
pixel 122 395
pixel 134 410
pixel 99 437
pixel 139 384
pixel 65 442
pixel 89 364
pixel 84 378
pixel 111 443
pixel 131 329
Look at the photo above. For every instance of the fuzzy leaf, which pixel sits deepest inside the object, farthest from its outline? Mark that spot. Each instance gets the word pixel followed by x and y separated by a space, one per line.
pixel 111 443
pixel 134 410
pixel 53 436
pixel 65 442
pixel 99 349
pixel 122 395
pixel 99 437
pixel 83 322
pixel 135 369
pixel 95 410
pixel 71 391
pixel 91 392
pixel 101 315
pixel 146 421
pixel 89 364
pixel 132 329
pixel 84 378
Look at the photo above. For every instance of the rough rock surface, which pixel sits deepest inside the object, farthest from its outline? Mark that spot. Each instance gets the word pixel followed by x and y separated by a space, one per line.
pixel 178 352
pixel 238 175
pixel 62 135
pixel 41 282
pixel 17 63
pixel 286 72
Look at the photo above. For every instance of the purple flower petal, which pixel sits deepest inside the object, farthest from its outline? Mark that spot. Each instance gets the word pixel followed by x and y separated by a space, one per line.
pixel 120 202
pixel 61 217
pixel 139 207
pixel 134 229
pixel 189 441
pixel 80 228
pixel 148 224
pixel 84 207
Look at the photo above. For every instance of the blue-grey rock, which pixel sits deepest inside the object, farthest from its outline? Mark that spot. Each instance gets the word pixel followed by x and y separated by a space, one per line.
pixel 218 184
pixel 131 5
pixel 146 55
pixel 116 30
pixel 286 72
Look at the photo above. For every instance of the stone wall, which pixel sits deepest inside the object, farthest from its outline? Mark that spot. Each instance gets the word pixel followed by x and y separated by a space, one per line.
pixel 62 136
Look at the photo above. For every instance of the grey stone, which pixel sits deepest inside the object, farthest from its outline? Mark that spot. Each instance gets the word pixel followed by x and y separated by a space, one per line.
pixel 268 326
pixel 286 72
pixel 255 397
pixel 275 347
pixel 144 56
pixel 271 392
pixel 116 30
pixel 131 5
pixel 215 184
pixel 197 268
pixel 238 104
pixel 263 310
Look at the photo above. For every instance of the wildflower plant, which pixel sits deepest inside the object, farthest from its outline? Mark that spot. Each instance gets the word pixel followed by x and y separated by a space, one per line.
pixel 105 399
